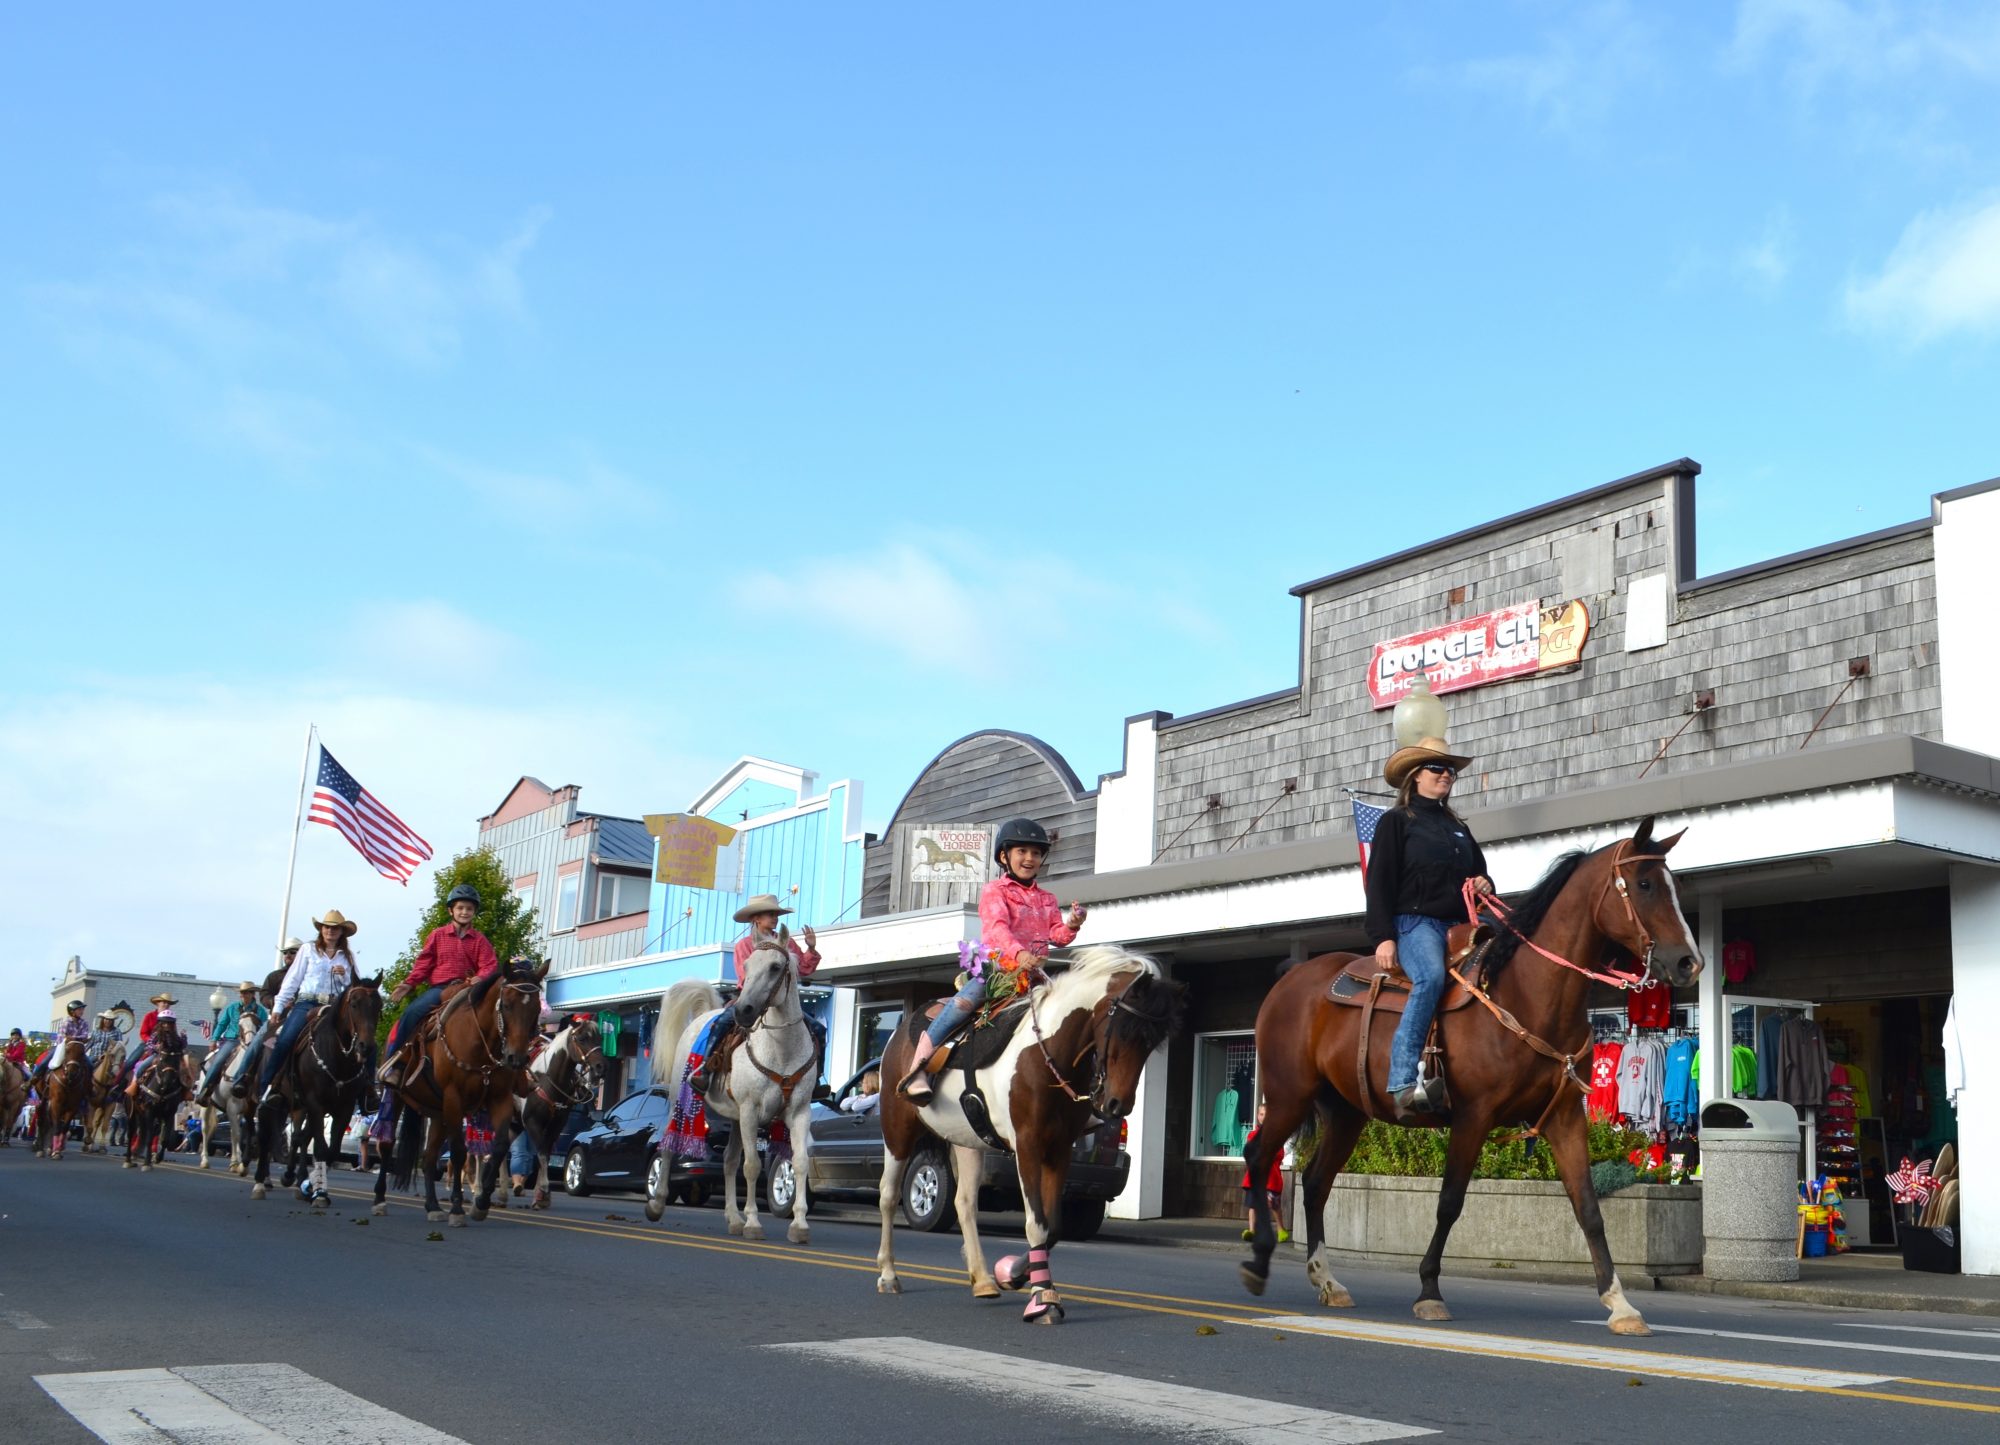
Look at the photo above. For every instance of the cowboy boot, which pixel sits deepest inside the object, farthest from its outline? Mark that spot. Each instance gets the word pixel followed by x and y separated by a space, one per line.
pixel 390 1075
pixel 916 1085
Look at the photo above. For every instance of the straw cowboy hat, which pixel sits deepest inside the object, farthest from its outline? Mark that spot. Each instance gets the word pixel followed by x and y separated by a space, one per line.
pixel 1404 761
pixel 105 1013
pixel 760 903
pixel 336 919
pixel 248 987
pixel 165 1000
pixel 292 944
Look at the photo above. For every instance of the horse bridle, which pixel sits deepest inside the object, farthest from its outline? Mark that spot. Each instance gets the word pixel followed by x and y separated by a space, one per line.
pixel 785 1082
pixel 1094 1042
pixel 354 1049
pixel 1621 859
pixel 493 1060
pixel 585 1072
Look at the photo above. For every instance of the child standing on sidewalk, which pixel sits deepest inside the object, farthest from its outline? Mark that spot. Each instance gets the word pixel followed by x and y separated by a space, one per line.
pixel 1273 1185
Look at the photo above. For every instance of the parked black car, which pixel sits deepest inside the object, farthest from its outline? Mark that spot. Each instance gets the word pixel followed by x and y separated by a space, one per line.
pixel 621 1151
pixel 847 1159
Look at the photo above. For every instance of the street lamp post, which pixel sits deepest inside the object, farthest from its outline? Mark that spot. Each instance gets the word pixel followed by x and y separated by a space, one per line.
pixel 1418 714
pixel 216 1002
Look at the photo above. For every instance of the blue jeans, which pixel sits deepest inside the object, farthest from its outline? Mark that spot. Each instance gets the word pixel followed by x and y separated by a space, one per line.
pixel 295 1022
pixel 419 1009
pixel 1420 944
pixel 521 1158
pixel 963 1005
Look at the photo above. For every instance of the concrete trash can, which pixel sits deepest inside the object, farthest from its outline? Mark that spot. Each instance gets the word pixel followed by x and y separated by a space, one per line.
pixel 1750 1190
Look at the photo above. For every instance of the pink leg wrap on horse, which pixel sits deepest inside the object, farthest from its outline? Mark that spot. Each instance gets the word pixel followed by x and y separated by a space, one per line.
pixel 1038 1267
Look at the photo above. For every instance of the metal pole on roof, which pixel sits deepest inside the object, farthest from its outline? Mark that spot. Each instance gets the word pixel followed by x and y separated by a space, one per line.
pixel 298 824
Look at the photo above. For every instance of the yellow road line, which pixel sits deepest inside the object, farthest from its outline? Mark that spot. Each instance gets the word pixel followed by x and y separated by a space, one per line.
pixel 1206 1310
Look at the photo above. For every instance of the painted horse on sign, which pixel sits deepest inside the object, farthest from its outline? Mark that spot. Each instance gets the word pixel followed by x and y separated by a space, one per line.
pixel 769 1077
pixel 1075 1053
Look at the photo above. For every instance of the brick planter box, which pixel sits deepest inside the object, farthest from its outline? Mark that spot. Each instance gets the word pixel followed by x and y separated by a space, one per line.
pixel 1653 1229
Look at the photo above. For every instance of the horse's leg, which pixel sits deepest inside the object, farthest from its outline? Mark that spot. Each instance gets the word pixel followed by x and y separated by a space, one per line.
pixel 136 1127
pixel 1461 1153
pixel 1284 1111
pixel 966 1164
pixel 207 1133
pixel 454 1140
pixel 1340 1126
pixel 888 1196
pixel 434 1142
pixel 737 1157
pixel 753 1173
pixel 1041 1192
pixel 1568 1136
pixel 798 1124
pixel 501 1117
pixel 265 1124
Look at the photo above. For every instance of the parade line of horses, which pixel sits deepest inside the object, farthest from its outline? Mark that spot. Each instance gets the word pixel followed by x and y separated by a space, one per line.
pixel 1030 1078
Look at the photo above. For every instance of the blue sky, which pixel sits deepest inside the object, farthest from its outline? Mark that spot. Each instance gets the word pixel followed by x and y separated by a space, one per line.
pixel 605 397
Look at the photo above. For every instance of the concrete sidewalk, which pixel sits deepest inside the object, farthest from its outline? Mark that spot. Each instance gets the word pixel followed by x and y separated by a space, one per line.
pixel 1853 1281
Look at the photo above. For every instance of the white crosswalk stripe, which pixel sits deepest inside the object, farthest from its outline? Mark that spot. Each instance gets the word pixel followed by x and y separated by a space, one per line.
pixel 1879 1347
pixel 1989 1336
pixel 21 1320
pixel 1151 1406
pixel 229 1405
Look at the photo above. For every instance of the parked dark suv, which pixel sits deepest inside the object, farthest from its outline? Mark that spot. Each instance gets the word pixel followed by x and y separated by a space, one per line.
pixel 847 1159
pixel 621 1151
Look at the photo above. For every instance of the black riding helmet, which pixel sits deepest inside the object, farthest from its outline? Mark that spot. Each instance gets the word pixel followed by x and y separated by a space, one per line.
pixel 465 892
pixel 1018 831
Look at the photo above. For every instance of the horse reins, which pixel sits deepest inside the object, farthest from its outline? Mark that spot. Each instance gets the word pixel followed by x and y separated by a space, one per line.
pixel 1090 1045
pixel 786 1082
pixel 493 1060
pixel 561 1099
pixel 352 1051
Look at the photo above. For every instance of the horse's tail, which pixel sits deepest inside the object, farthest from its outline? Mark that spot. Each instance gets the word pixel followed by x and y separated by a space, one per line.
pixel 409 1139
pixel 680 1005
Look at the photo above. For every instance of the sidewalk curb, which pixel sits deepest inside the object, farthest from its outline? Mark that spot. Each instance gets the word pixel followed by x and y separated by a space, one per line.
pixel 1830 1296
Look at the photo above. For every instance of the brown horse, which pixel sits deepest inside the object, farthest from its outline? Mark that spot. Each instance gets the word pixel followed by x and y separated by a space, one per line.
pixel 158 1091
pixel 103 1099
pixel 563 1075
pixel 472 1059
pixel 1078 1046
pixel 13 1095
pixel 1511 1057
pixel 65 1090
pixel 317 1088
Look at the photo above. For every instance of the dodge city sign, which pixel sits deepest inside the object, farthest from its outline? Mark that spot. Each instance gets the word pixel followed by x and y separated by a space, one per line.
pixel 1517 641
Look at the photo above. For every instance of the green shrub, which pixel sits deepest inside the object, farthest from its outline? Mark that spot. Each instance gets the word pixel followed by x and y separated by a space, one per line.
pixel 1419 1153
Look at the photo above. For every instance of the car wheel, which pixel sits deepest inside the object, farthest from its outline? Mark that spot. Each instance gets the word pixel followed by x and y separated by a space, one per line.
pixel 927 1203
pixel 781 1181
pixel 1082 1218
pixel 654 1177
pixel 573 1174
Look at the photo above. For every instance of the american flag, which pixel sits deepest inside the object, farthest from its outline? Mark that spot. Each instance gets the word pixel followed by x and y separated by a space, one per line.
pixel 376 833
pixel 1366 816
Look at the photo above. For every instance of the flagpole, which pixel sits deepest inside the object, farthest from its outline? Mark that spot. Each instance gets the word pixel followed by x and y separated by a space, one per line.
pixel 298 826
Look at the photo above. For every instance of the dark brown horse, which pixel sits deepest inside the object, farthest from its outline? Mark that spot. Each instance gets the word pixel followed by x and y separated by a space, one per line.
pixel 1076 1053
pixel 13 1094
pixel 1588 909
pixel 318 1087
pixel 471 1060
pixel 157 1092
pixel 563 1076
pixel 65 1090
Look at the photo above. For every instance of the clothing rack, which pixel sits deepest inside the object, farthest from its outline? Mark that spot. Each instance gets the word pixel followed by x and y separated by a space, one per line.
pixel 1748 1010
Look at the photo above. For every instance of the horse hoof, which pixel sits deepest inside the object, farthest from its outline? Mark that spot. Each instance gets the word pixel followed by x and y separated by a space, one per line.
pixel 1011 1272
pixel 654 1209
pixel 1629 1325
pixel 1252 1281
pixel 457 1221
pixel 320 1201
pixel 479 1214
pixel 753 1231
pixel 542 1201
pixel 202 1165
pixel 799 1234
pixel 379 1209
pixel 499 1201
pixel 1432 1310
pixel 129 1163
pixel 736 1226
pixel 1043 1309
pixel 1336 1299
pixel 985 1289
pixel 888 1286
pixel 435 1216
pixel 145 1169
pixel 256 1191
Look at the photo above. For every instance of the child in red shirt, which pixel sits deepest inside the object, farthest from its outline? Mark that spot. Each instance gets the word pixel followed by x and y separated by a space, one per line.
pixel 1274 1186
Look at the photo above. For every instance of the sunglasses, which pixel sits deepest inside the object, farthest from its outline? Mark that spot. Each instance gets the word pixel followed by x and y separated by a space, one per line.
pixel 1440 769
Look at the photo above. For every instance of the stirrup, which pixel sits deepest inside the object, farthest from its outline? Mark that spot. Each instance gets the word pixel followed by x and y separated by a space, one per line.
pixel 917 1088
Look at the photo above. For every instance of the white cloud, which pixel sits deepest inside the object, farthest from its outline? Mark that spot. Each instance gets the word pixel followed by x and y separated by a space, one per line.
pixel 947 603
pixel 586 490
pixel 1763 264
pixel 1578 72
pixel 1816 43
pixel 1942 277
pixel 154 831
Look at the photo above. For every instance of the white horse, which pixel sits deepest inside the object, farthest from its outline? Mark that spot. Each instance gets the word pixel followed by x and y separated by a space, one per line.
pixel 241 1109
pixel 770 1076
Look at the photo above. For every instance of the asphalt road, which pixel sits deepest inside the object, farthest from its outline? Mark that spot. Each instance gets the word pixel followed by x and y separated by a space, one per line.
pixel 589 1322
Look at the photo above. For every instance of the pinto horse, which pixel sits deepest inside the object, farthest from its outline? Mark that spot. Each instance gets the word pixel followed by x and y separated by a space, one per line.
pixel 159 1090
pixel 471 1059
pixel 1076 1053
pixel 1512 1054
pixel 65 1090
pixel 319 1085
pixel 238 1109
pixel 562 1076
pixel 103 1100
pixel 770 1077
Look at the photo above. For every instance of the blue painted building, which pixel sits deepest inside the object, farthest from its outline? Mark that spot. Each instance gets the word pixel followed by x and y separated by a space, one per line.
pixel 794 840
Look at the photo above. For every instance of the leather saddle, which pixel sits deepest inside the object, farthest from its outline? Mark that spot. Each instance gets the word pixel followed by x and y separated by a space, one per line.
pixel 982 1040
pixel 1357 986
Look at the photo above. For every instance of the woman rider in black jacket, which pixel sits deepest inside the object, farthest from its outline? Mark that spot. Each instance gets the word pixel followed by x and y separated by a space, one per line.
pixel 1417 869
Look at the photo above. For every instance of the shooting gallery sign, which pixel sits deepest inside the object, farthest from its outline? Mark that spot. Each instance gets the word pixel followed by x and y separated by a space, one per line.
pixel 1518 641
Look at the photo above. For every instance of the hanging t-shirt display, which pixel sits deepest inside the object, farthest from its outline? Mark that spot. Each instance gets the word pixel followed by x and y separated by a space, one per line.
pixel 1680 1095
pixel 1650 1006
pixel 1603 1101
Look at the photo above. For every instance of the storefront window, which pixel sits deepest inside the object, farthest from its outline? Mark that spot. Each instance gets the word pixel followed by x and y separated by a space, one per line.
pixel 1225 1094
pixel 878 1026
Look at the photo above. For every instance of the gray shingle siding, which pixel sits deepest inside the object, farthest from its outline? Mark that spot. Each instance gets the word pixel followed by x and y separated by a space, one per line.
pixel 1773 645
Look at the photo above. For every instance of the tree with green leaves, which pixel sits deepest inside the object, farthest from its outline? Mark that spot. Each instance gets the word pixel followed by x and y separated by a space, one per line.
pixel 504 920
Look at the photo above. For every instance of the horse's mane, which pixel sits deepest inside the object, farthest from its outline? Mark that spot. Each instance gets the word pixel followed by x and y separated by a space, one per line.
pixel 484 986
pixel 557 1043
pixel 1532 908
pixel 1155 1003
